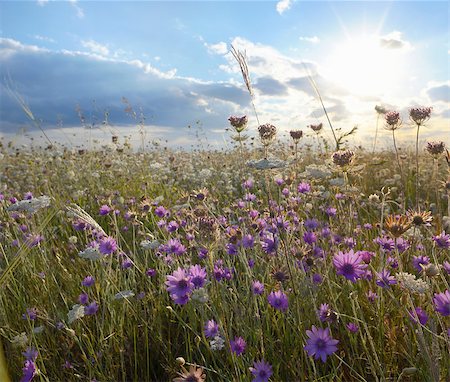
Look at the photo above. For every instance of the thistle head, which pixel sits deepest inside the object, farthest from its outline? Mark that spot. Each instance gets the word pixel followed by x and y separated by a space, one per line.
pixel 420 114
pixel 316 128
pixel 267 133
pixel 296 135
pixel 435 148
pixel 393 120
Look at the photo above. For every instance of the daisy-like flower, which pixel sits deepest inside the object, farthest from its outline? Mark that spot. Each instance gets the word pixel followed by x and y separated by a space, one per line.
pixel 278 300
pixel 397 225
pixel 195 374
pixel 198 275
pixel 442 240
pixel 238 345
pixel 262 371
pixel 107 246
pixel 180 286
pixel 384 279
pixel 350 265
pixel 320 344
pixel 211 329
pixel 442 302
pixel 419 218
pixel 421 315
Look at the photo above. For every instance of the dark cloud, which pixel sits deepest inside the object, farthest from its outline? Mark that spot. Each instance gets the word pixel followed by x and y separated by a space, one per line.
pixel 270 86
pixel 337 111
pixel 325 87
pixel 439 93
pixel 54 83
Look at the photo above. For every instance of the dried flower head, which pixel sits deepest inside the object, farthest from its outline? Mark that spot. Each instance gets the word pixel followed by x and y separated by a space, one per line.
pixel 392 119
pixel 239 123
pixel 435 148
pixel 409 282
pixel 380 109
pixel 420 114
pixel 316 128
pixel 418 218
pixel 343 158
pixel 267 133
pixel 195 374
pixel 296 135
pixel 397 225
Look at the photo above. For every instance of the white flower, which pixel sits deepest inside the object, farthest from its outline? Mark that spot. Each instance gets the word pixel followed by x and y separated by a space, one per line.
pixel 147 244
pixel 90 253
pixel 337 182
pixel 38 329
pixel 265 164
pixel 123 294
pixel 218 343
pixel 316 171
pixel 409 282
pixel 374 198
pixel 20 340
pixel 200 295
pixel 75 313
pixel 30 205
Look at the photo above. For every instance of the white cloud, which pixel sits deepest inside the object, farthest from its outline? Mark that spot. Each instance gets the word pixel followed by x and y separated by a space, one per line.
pixel 313 39
pixel 394 40
pixel 43 38
pixel 95 47
pixel 219 48
pixel 9 47
pixel 78 9
pixel 42 2
pixel 283 6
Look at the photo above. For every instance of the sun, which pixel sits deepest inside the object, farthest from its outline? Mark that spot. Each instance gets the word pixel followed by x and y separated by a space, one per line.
pixel 364 67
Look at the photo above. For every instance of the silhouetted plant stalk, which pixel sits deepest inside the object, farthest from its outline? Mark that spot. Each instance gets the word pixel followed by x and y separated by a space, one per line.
pixel 392 123
pixel 436 149
pixel 419 115
pixel 241 59
pixel 296 135
pixel 380 111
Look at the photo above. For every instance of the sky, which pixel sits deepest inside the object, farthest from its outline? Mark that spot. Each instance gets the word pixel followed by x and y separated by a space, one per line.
pixel 87 70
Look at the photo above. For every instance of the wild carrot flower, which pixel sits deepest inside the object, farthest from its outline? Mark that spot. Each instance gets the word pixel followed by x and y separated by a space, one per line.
pixel 420 114
pixel 239 123
pixel 262 371
pixel 320 344
pixel 238 345
pixel 296 135
pixel 442 303
pixel 349 265
pixel 392 119
pixel 435 148
pixel 316 128
pixel 278 300
pixel 267 133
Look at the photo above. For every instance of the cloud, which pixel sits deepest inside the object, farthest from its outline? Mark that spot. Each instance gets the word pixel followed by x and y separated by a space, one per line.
pixel 95 47
pixel 283 6
pixel 394 40
pixel 53 83
pixel 42 2
pixel 78 9
pixel 313 39
pixel 271 86
pixel 439 91
pixel 219 48
pixel 44 38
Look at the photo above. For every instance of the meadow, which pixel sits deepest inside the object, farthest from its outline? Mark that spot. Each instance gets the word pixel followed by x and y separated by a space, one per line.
pixel 278 262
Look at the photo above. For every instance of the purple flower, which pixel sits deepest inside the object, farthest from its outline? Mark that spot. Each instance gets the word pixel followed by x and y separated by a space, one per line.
pixel 442 240
pixel 278 300
pixel 211 329
pixel 269 244
pixel 371 296
pixel 311 224
pixel 28 371
pixel 161 212
pixel 421 315
pixel 320 344
pixel 31 314
pixel 30 354
pixel 352 327
pixel 174 246
pixel 419 261
pixel 104 210
pixel 386 244
pixel 442 302
pixel 198 276
pixel 28 195
pixel 248 184
pixel 303 188
pixel 446 267
pixel 366 256
pixel 83 298
pixel 317 278
pixel 107 246
pixel 257 287
pixel 231 249
pixel 248 241
pixel 349 265
pixel 91 309
pixel 88 281
pixel 179 285
pixel 261 370
pixel 309 237
pixel 150 272
pixel 172 226
pixel 238 345
pixel 326 314
pixel 127 263
pixel 384 279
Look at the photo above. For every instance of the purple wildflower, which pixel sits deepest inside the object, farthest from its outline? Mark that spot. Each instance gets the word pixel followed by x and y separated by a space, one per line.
pixel 278 300
pixel 442 240
pixel 238 345
pixel 150 272
pixel 326 314
pixel 421 315
pixel 371 296
pixel 104 210
pixel 384 279
pixel 198 276
pixel 174 246
pixel 446 267
pixel 127 263
pixel 257 287
pixel 317 278
pixel 91 309
pixel 349 265
pixel 261 370
pixel 303 188
pixel 83 298
pixel 107 246
pixel 88 281
pixel 320 344
pixel 31 314
pixel 352 327
pixel 161 212
pixel 30 354
pixel 248 241
pixel 442 303
pixel 28 371
pixel 309 237
pixel 419 262
pixel 211 329
pixel 179 285
pixel 269 244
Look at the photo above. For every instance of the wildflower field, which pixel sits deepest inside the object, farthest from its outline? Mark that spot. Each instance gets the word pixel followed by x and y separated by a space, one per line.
pixel 282 264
